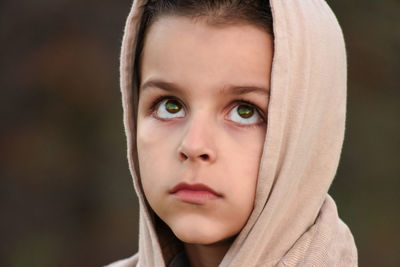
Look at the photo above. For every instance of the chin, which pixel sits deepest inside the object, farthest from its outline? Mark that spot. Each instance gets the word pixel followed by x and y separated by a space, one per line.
pixel 203 234
pixel 197 238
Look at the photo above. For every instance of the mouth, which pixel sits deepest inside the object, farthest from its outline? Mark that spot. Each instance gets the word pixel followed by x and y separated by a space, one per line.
pixel 198 194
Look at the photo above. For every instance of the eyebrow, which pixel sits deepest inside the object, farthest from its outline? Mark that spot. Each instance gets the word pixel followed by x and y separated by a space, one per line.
pixel 229 89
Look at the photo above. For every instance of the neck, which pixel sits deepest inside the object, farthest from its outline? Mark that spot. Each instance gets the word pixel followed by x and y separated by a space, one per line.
pixel 207 255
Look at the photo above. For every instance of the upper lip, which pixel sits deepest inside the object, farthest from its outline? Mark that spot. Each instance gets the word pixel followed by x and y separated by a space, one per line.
pixel 193 187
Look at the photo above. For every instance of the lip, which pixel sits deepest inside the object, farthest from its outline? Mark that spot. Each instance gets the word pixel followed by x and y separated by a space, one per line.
pixel 194 193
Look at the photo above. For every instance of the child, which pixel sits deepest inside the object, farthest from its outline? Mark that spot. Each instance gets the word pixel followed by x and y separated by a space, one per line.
pixel 235 126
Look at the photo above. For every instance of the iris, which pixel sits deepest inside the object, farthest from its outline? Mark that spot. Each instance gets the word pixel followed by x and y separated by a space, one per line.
pixel 245 111
pixel 172 106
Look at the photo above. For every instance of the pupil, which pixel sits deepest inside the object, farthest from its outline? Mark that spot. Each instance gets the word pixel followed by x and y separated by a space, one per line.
pixel 172 106
pixel 245 111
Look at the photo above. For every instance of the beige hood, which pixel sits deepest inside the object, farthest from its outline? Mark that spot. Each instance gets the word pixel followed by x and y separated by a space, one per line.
pixel 294 221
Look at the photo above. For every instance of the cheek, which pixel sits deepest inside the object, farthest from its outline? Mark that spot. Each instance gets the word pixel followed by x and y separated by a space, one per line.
pixel 151 147
pixel 155 146
pixel 244 164
pixel 152 140
pixel 246 150
pixel 240 173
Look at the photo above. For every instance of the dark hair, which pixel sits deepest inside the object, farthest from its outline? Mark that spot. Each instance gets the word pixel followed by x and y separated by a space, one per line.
pixel 213 12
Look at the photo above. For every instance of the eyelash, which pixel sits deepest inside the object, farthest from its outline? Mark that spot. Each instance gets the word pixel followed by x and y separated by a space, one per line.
pixel 237 101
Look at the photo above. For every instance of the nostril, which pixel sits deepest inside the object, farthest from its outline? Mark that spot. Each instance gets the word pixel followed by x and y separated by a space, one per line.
pixel 183 156
pixel 204 156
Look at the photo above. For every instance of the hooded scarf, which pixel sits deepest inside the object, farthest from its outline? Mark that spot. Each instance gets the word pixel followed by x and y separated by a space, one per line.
pixel 294 221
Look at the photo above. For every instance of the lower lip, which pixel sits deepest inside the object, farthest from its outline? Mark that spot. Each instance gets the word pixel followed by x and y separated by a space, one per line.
pixel 195 196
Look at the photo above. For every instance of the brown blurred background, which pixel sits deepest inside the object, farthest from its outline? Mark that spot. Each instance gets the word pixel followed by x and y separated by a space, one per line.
pixel 66 195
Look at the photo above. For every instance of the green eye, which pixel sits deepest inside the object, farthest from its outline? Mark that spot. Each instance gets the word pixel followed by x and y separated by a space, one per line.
pixel 173 106
pixel 245 111
pixel 245 114
pixel 169 109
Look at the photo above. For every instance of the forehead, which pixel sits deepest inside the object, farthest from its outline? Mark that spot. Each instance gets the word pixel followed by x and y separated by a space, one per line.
pixel 196 54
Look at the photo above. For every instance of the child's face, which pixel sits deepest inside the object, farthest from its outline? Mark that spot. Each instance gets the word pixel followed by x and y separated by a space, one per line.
pixel 197 135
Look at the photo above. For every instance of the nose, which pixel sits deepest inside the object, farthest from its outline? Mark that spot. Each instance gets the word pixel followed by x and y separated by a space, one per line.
pixel 198 142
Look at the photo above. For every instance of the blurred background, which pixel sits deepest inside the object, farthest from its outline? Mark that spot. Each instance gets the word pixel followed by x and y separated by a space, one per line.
pixel 66 194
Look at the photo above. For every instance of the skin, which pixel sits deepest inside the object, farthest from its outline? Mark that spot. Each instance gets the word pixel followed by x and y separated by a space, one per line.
pixel 207 141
